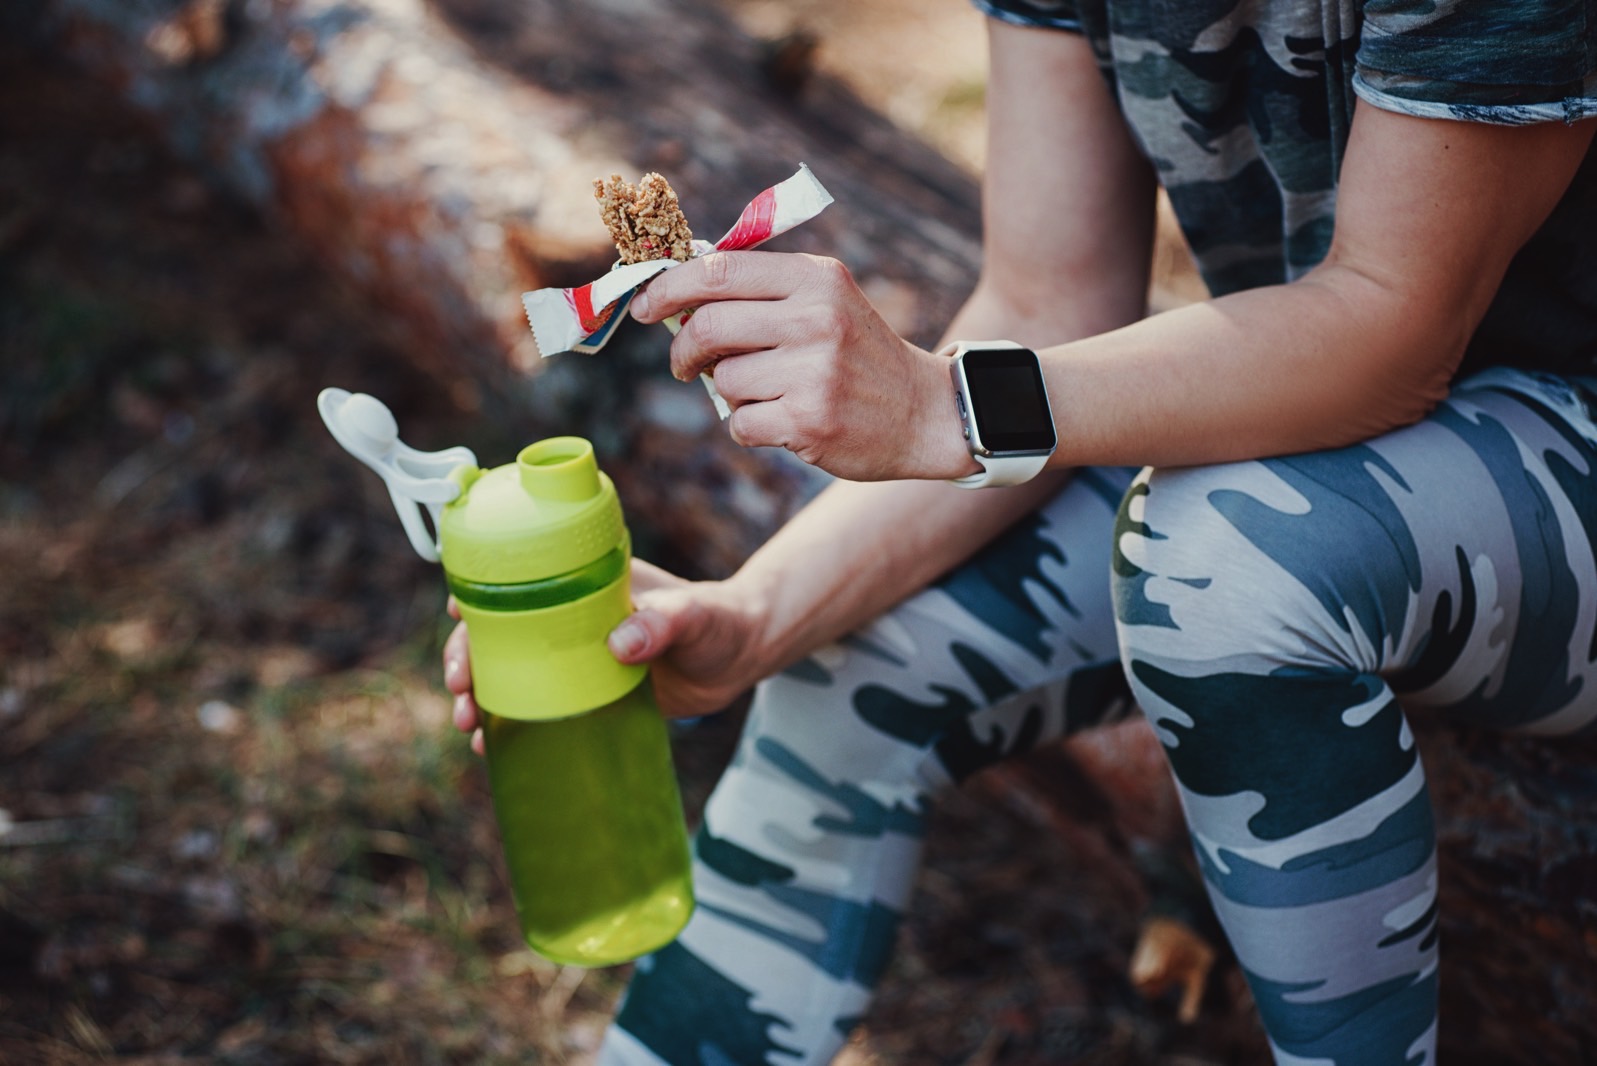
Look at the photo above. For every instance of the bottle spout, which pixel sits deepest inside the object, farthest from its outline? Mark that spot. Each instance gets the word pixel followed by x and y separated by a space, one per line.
pixel 416 480
pixel 559 468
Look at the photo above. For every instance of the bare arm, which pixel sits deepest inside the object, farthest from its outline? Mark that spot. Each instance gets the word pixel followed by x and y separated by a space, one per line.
pixel 1079 269
pixel 1429 215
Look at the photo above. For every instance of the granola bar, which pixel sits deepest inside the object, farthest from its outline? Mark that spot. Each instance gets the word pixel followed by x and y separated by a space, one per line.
pixel 644 220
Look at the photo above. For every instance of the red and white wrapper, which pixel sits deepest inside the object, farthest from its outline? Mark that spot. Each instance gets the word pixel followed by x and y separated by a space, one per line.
pixel 582 319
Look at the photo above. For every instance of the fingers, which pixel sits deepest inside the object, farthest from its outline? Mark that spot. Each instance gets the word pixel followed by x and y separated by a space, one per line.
pixel 763 425
pixel 645 635
pixel 662 616
pixel 754 377
pixel 731 327
pixel 642 636
pixel 464 715
pixel 751 302
pixel 457 679
pixel 653 626
pixel 717 276
pixel 457 661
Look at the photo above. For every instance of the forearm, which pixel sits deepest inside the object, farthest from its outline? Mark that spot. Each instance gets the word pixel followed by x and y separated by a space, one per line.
pixel 859 548
pixel 1049 276
pixel 1327 361
pixel 1429 215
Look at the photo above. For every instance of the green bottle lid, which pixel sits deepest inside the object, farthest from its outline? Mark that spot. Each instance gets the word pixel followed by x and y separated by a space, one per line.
pixel 549 513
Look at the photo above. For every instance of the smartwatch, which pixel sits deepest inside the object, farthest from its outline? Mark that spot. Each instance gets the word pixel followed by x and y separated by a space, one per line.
pixel 1003 404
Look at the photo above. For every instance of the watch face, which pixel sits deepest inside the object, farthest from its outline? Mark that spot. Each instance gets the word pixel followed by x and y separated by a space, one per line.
pixel 1008 400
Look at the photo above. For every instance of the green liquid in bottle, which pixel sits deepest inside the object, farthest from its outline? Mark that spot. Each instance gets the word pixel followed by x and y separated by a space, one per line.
pixel 593 831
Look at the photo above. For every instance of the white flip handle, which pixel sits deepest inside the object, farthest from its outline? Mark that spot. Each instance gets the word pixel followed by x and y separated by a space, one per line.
pixel 366 429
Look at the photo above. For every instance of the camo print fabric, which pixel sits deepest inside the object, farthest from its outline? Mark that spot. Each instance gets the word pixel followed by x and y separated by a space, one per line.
pixel 1270 616
pixel 1244 110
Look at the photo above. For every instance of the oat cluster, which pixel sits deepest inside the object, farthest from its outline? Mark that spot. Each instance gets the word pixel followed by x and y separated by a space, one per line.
pixel 645 219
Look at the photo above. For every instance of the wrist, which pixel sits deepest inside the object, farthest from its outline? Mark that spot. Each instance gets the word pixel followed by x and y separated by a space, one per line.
pixel 941 446
pixel 752 594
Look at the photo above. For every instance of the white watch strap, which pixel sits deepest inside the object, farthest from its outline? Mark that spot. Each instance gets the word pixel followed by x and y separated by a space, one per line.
pixel 1005 470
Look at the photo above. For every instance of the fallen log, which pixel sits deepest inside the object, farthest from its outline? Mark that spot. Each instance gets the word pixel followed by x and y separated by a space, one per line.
pixel 440 173
pixel 377 138
pixel 442 185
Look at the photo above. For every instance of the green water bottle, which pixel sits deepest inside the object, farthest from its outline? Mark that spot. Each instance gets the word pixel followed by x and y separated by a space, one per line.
pixel 536 554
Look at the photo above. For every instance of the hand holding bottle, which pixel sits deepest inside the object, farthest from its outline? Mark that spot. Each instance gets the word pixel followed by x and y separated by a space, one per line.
pixel 699 637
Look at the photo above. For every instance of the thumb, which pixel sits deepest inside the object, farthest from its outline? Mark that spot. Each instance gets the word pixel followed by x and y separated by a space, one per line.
pixel 661 606
pixel 649 631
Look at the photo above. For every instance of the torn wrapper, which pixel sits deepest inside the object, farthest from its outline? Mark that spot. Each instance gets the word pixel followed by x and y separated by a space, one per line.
pixel 582 319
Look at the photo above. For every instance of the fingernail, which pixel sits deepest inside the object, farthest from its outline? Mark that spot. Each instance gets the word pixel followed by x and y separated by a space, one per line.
pixel 451 668
pixel 640 304
pixel 462 713
pixel 628 639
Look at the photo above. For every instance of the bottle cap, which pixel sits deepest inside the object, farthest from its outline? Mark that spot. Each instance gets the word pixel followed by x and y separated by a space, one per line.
pixel 550 512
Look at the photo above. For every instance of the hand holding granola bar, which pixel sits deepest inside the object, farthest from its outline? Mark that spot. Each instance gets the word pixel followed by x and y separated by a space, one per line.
pixel 806 363
pixel 651 235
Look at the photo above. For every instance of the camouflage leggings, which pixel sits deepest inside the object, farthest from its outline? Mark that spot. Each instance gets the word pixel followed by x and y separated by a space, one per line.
pixel 1269 616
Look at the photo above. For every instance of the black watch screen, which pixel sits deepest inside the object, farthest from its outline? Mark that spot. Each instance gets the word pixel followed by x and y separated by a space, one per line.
pixel 1009 400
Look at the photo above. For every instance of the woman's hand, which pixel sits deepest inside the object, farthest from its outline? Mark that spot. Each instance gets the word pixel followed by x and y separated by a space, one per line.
pixel 699 637
pixel 807 364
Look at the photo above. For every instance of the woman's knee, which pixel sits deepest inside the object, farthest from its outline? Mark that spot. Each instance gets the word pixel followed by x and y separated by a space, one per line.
pixel 1254 651
pixel 1265 565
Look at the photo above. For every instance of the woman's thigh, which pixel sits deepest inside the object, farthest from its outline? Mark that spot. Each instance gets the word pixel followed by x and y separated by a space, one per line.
pixel 1453 560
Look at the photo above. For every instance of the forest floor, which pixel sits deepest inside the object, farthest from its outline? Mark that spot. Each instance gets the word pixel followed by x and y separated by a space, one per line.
pixel 241 829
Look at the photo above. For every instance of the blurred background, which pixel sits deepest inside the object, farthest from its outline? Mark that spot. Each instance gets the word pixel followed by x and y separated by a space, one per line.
pixel 235 825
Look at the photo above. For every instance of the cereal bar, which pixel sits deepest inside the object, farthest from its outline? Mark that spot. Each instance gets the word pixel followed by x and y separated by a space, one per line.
pixel 644 220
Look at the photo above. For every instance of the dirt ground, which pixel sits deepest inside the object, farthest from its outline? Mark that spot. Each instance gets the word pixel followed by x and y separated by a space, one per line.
pixel 241 830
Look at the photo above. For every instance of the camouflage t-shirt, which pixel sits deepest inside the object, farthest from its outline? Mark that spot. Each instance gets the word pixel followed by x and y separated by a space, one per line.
pixel 1244 109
